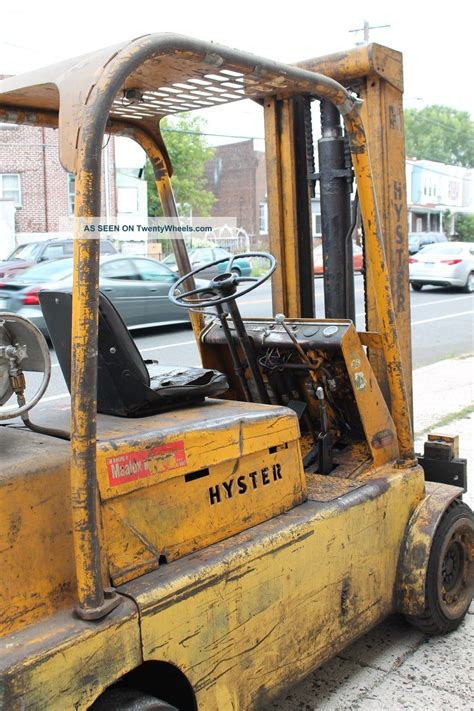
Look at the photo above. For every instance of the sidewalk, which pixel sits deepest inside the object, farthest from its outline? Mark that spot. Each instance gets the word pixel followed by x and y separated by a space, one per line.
pixel 395 666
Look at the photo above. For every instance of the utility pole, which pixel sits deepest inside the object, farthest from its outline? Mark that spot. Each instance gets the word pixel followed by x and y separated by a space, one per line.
pixel 366 29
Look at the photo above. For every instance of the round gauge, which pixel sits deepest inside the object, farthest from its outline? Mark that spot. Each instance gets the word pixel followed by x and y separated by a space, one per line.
pixel 330 331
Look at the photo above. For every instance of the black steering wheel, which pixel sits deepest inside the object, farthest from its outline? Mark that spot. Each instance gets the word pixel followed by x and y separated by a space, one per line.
pixel 223 287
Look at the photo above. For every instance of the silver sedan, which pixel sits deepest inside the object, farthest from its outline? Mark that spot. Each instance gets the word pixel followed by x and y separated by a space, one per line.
pixel 137 286
pixel 443 264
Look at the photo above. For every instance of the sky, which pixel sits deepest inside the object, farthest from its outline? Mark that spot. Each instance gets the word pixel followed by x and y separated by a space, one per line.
pixel 435 37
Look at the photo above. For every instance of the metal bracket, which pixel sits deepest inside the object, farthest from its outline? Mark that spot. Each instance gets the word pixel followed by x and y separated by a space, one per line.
pixel 441 462
pixel 111 600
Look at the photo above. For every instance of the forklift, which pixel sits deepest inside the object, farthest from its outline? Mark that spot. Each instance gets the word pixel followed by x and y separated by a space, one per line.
pixel 202 538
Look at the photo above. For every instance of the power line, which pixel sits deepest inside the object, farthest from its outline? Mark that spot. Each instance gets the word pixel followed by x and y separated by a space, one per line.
pixel 215 135
pixel 440 172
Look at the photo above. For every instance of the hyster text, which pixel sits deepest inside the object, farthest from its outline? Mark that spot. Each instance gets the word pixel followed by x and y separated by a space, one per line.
pixel 244 483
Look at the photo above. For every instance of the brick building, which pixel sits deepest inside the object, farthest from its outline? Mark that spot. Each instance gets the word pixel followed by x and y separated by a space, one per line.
pixel 436 193
pixel 236 176
pixel 32 176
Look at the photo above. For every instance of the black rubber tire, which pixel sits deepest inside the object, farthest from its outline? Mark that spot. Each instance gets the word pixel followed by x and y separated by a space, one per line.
pixel 447 601
pixel 415 286
pixel 236 271
pixel 468 287
pixel 120 698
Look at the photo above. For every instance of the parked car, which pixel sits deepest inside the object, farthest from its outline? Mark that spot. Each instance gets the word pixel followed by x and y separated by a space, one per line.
pixel 418 240
pixel 26 255
pixel 357 259
pixel 205 255
pixel 138 287
pixel 444 264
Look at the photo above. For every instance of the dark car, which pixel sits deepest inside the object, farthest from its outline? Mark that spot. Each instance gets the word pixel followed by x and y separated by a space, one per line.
pixel 205 255
pixel 418 240
pixel 138 287
pixel 26 255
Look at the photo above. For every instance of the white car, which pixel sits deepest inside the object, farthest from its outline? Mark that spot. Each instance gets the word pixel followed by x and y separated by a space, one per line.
pixel 443 264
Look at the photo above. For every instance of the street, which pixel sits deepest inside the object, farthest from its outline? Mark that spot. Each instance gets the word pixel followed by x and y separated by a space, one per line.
pixel 441 328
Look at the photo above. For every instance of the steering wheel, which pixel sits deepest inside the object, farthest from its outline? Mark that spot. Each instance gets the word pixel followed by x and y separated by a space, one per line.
pixel 223 287
pixel 22 348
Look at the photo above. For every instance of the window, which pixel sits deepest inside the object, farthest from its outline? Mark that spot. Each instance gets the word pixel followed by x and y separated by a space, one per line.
pixel 316 223
pixel 54 251
pixel 26 252
pixel 120 269
pixel 263 218
pixel 127 200
pixel 201 256
pixel 10 187
pixel 151 271
pixel 217 169
pixel 71 189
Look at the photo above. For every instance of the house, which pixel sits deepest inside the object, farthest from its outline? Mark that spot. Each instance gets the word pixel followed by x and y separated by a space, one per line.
pixel 236 175
pixel 436 192
pixel 37 194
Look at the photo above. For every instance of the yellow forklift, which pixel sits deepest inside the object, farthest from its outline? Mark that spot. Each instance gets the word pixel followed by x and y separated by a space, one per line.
pixel 208 536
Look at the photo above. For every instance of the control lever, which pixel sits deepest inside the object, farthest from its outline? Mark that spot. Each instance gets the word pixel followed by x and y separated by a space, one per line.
pixel 325 465
pixel 324 440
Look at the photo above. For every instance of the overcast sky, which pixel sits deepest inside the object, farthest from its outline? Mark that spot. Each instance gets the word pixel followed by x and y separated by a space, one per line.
pixel 435 37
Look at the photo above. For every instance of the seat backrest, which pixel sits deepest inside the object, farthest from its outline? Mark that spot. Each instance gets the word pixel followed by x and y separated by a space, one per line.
pixel 118 354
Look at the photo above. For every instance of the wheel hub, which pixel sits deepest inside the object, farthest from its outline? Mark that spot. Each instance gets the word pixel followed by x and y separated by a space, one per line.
pixel 452 566
pixel 455 571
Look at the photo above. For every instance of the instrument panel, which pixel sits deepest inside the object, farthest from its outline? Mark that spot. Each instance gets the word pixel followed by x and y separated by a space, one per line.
pixel 267 333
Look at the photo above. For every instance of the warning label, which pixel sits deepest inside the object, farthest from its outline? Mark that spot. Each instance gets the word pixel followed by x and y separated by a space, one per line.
pixel 143 463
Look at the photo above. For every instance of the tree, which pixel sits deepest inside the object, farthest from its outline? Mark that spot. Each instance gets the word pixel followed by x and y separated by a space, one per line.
pixel 465 227
pixel 189 153
pixel 440 133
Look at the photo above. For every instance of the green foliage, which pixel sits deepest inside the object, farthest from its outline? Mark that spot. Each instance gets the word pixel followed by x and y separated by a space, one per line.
pixel 465 228
pixel 189 153
pixel 440 133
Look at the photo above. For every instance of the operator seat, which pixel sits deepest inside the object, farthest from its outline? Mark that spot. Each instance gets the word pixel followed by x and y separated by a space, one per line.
pixel 127 385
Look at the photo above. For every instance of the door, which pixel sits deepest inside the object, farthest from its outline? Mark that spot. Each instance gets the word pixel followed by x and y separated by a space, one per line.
pixel 157 279
pixel 121 282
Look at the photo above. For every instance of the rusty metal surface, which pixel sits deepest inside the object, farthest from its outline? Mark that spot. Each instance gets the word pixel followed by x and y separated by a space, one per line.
pixel 197 477
pixel 36 556
pixel 65 663
pixel 172 72
pixel 358 63
pixel 278 596
pixel 380 429
pixel 380 277
pixel 375 72
pixel 415 551
pixel 327 488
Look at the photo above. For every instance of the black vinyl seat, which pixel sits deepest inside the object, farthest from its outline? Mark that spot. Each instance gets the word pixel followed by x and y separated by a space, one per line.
pixel 127 385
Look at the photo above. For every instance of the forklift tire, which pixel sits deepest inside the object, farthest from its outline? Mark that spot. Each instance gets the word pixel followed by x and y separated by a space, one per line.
pixel 450 575
pixel 415 286
pixel 120 698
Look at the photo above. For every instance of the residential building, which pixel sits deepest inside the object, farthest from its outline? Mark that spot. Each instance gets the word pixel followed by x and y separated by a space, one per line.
pixel 236 175
pixel 436 192
pixel 41 192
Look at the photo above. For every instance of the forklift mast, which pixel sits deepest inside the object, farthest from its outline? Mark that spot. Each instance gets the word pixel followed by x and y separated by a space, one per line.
pixel 375 73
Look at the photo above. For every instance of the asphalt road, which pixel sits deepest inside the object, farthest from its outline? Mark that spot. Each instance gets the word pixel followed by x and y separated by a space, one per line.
pixel 442 327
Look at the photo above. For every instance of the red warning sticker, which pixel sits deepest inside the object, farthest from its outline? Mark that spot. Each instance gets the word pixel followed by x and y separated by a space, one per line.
pixel 141 464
